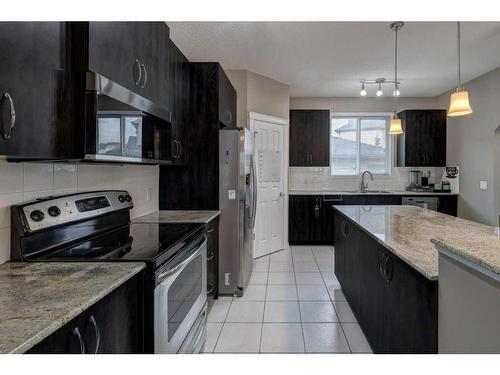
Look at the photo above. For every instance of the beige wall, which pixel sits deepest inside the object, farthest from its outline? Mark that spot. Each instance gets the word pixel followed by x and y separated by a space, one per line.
pixel 474 145
pixel 257 93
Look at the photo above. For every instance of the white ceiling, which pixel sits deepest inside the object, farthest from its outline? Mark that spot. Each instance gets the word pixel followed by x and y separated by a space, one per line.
pixel 329 58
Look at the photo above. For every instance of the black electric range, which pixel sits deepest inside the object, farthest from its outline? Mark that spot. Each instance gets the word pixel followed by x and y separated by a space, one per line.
pixel 94 226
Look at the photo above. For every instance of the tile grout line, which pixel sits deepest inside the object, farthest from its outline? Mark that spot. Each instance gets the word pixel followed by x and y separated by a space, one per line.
pixel 223 324
pixel 265 302
pixel 298 302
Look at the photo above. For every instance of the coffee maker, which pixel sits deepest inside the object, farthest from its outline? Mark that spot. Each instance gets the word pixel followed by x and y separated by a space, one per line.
pixel 424 182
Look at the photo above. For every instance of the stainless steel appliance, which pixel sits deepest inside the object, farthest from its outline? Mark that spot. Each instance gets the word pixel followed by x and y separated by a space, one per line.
pixel 95 226
pixel 430 203
pixel 426 175
pixel 414 183
pixel 237 202
pixel 122 126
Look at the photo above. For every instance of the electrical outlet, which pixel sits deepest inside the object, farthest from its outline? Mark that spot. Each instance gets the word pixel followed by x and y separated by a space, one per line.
pixel 226 279
pixel 483 185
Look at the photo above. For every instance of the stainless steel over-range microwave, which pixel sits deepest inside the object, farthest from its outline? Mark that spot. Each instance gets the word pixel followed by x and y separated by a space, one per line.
pixel 122 126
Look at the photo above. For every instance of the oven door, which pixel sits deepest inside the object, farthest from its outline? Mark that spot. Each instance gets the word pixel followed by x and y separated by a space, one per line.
pixel 179 297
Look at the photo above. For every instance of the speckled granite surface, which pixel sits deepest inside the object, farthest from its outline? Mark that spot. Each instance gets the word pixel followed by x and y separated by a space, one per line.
pixel 38 298
pixel 407 231
pixel 178 216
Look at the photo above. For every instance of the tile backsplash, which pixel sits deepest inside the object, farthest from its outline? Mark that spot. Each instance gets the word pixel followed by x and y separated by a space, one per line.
pixel 22 182
pixel 308 178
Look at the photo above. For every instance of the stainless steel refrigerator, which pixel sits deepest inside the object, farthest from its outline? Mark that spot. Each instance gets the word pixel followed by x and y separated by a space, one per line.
pixel 237 202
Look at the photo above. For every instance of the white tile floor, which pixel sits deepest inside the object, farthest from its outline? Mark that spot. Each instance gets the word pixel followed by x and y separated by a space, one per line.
pixel 293 304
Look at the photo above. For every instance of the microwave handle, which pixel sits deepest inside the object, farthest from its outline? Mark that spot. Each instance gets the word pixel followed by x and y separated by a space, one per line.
pixel 162 276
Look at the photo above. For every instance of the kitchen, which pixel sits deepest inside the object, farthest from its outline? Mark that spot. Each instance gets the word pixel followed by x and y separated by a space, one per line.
pixel 175 198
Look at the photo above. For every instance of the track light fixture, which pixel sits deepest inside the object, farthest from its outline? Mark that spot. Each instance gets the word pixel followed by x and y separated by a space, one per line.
pixel 379 82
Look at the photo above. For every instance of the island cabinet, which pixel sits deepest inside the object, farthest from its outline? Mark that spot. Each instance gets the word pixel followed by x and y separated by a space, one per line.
pixel 395 305
pixel 310 138
pixel 114 324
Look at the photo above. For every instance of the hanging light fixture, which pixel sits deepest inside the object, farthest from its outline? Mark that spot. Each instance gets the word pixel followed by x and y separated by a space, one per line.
pixel 459 100
pixel 363 90
pixel 379 91
pixel 396 127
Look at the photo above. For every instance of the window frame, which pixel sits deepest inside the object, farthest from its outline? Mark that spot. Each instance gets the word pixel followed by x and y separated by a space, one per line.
pixel 390 143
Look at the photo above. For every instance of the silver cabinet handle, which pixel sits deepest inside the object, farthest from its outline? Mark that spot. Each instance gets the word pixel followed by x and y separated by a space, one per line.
pixel 145 76
pixel 210 230
pixel 210 290
pixel 210 257
pixel 97 333
pixel 7 130
pixel 180 148
pixel 137 66
pixel 76 332
pixel 176 149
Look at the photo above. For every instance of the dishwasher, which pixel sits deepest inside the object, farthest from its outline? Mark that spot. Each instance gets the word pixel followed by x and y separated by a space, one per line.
pixel 430 203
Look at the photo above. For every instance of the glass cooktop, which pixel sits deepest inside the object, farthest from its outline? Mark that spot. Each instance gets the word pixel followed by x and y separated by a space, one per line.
pixel 138 241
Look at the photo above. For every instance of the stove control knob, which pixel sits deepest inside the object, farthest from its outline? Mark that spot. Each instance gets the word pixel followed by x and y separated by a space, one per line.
pixel 121 198
pixel 54 211
pixel 128 198
pixel 37 215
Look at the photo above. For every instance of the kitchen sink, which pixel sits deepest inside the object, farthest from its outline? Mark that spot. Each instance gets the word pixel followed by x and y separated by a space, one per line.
pixel 368 191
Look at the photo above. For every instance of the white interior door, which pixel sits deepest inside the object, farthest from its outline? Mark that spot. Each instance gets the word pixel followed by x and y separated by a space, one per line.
pixel 270 173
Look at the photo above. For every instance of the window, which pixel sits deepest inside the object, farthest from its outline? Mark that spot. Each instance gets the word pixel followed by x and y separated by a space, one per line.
pixel 359 143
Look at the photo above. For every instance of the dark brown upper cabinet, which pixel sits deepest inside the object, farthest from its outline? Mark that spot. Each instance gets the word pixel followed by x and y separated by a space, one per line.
pixel 309 138
pixel 132 54
pixel 179 96
pixel 423 143
pixel 36 95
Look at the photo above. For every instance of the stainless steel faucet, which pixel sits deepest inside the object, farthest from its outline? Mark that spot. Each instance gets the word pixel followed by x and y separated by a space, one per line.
pixel 364 185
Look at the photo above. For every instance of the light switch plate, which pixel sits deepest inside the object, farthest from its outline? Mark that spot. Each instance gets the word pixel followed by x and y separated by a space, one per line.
pixel 483 185
pixel 231 195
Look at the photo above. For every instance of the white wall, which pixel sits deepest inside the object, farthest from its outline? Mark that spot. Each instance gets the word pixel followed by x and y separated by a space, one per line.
pixel 474 145
pixel 260 94
pixel 22 182
pixel 306 178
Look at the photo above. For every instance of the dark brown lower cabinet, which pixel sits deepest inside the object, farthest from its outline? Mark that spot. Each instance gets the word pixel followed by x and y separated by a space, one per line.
pixel 213 258
pixel 112 325
pixel 394 304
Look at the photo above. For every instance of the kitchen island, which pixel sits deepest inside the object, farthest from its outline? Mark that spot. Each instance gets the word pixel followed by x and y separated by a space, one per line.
pixel 37 299
pixel 388 269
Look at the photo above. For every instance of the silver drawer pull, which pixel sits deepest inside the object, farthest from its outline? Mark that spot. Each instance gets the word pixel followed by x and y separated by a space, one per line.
pixel 137 66
pixel 210 230
pixel 145 75
pixel 97 333
pixel 76 332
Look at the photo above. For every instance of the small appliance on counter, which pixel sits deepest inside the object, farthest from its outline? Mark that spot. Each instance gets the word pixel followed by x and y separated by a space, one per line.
pixel 424 181
pixel 95 226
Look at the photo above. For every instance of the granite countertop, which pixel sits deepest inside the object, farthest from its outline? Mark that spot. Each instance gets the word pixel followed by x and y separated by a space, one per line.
pixel 407 232
pixel 38 298
pixel 178 216
pixel 382 192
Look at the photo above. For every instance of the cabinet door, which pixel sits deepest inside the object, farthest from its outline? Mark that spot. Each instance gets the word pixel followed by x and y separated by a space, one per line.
pixel 301 219
pixel 34 75
pixel 66 340
pixel 339 249
pixel 227 101
pixel 180 103
pixel 114 324
pixel 299 139
pixel 319 137
pixel 352 266
pixel 448 205
pixel 327 222
pixel 371 291
pixel 410 310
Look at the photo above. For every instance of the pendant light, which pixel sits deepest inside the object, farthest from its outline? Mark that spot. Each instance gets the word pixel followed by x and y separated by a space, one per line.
pixel 396 127
pixel 459 100
pixel 363 90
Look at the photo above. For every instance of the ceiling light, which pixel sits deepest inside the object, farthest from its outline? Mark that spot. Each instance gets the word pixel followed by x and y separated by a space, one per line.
pixel 363 90
pixel 396 91
pixel 459 100
pixel 396 127
pixel 379 91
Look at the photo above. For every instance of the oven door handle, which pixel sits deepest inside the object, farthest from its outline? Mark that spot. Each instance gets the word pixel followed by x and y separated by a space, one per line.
pixel 162 276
